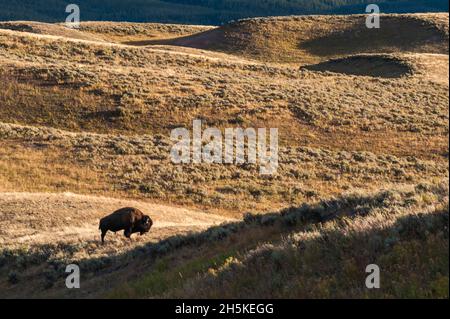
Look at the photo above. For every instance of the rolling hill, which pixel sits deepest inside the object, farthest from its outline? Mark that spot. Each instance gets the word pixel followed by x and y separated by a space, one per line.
pixel 310 38
pixel 85 122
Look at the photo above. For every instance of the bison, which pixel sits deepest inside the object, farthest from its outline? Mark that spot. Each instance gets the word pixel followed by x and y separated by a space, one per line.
pixel 129 219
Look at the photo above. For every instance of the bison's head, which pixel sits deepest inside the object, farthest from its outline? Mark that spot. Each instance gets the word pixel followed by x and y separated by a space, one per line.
pixel 145 224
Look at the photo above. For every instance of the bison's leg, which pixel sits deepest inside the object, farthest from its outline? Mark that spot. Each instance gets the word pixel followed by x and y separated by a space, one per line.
pixel 103 235
pixel 128 232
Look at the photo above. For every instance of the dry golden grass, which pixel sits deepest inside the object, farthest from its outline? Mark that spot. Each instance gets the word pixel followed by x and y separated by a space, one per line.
pixel 83 113
pixel 107 31
pixel 404 231
pixel 47 29
pixel 284 254
pixel 29 219
pixel 310 39
pixel 133 33
pixel 140 166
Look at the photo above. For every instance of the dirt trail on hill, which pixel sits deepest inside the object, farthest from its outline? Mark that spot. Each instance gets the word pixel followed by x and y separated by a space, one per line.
pixel 40 218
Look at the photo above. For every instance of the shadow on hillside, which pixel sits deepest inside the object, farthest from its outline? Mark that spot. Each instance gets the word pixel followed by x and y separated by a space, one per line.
pixel 17 26
pixel 141 43
pixel 105 115
pixel 49 261
pixel 202 40
pixel 393 35
pixel 332 265
pixel 365 65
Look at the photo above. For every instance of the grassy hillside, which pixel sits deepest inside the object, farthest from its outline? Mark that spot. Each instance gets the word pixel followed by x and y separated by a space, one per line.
pixel 325 131
pixel 200 11
pixel 107 31
pixel 85 122
pixel 357 132
pixel 312 38
pixel 317 251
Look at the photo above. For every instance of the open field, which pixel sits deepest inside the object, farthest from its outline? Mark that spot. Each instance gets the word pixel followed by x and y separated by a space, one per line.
pixel 85 122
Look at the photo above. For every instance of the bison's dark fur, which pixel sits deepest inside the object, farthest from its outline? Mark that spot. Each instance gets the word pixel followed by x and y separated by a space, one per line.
pixel 129 219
